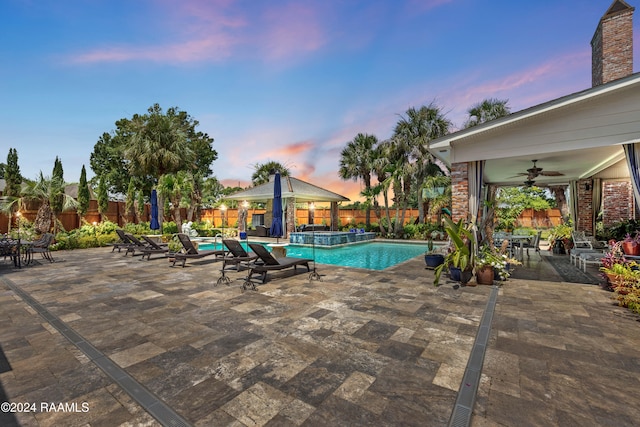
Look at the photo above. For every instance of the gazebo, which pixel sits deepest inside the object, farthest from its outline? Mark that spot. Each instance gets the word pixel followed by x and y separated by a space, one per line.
pixel 293 191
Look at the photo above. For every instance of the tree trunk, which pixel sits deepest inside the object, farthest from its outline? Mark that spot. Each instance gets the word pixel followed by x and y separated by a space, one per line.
pixel 42 223
pixel 559 193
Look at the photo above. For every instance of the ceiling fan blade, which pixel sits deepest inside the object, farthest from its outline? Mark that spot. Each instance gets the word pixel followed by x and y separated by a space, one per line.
pixel 552 173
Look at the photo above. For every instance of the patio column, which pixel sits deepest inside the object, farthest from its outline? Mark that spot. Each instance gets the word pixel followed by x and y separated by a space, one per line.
pixel 459 191
pixel 585 207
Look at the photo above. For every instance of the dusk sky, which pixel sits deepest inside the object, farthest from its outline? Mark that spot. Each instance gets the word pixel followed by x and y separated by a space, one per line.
pixel 290 81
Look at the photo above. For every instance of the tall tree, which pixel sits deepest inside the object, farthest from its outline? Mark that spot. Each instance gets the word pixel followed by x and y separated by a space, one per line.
pixel 13 181
pixel 146 146
pixel 140 206
pixel 486 110
pixel 413 132
pixel 84 195
pixel 103 198
pixel 356 162
pixel 12 174
pixel 57 195
pixel 131 201
pixel 262 171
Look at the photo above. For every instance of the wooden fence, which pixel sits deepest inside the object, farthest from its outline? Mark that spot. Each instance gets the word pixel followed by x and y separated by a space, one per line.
pixel 117 213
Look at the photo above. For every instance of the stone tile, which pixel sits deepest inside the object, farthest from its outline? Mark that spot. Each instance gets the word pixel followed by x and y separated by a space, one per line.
pixel 136 354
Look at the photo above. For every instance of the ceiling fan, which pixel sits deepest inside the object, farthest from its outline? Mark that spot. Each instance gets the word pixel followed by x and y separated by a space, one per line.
pixel 534 172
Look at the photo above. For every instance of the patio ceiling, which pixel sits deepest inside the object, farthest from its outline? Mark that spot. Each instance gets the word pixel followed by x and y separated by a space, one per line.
pixel 579 135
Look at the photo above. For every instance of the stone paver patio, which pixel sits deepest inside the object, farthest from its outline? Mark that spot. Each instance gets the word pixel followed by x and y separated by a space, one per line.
pixel 359 348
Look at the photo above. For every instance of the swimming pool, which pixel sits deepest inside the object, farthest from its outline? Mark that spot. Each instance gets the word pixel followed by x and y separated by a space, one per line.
pixel 372 255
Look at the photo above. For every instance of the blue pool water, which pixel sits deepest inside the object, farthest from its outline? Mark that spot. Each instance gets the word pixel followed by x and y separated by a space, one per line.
pixel 372 256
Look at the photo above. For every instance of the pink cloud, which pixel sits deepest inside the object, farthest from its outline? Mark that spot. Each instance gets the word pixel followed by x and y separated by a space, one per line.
pixel 214 31
pixel 291 30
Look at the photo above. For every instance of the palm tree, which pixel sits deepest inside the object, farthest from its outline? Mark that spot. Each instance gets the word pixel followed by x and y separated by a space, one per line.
pixel 393 172
pixel 486 110
pixel 262 171
pixel 356 162
pixel 175 187
pixel 43 190
pixel 414 131
pixel 158 145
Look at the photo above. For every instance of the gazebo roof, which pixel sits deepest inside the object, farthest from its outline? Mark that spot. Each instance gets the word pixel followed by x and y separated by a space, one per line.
pixel 291 187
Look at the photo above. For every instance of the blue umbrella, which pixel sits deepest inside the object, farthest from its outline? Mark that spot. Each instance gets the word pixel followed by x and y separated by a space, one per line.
pixel 276 222
pixel 154 224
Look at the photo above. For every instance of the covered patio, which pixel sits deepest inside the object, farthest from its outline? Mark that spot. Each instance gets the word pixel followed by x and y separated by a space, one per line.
pixel 583 137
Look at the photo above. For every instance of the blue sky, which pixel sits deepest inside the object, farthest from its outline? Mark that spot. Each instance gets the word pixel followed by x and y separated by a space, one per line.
pixel 291 81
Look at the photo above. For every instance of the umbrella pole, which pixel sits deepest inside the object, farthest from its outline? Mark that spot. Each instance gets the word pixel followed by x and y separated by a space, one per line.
pixel 314 274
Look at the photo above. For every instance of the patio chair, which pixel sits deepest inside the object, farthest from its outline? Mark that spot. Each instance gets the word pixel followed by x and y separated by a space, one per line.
pixel 581 240
pixel 535 244
pixel 153 248
pixel 190 251
pixel 273 264
pixel 41 246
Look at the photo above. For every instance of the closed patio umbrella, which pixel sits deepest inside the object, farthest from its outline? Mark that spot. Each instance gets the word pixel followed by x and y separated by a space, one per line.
pixel 154 224
pixel 276 223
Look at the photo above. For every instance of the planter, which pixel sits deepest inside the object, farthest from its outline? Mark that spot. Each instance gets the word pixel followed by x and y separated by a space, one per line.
pixel 454 273
pixel 631 248
pixel 558 248
pixel 433 260
pixel 466 276
pixel 485 275
pixel 460 276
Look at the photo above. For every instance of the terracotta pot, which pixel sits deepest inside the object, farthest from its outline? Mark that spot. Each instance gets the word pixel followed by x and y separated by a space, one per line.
pixel 485 275
pixel 631 248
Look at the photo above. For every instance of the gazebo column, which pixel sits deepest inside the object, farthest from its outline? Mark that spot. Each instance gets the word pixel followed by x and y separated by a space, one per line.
pixel 291 216
pixel 335 216
pixel 459 191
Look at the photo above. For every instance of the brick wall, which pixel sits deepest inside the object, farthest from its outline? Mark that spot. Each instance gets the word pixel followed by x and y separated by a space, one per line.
pixel 459 191
pixel 617 198
pixel 612 46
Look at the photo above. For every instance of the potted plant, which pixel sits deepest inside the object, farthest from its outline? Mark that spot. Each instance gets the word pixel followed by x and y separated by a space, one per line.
pixel 433 258
pixel 460 253
pixel 631 245
pixel 560 239
pixel 485 263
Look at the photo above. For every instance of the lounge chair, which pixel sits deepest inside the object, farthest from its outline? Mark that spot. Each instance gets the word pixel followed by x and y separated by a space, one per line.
pixel 135 245
pixel 273 264
pixel 124 242
pixel 190 251
pixel 238 253
pixel 236 256
pixel 153 248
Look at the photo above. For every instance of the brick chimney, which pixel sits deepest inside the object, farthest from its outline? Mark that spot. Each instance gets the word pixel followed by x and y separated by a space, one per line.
pixel 612 45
